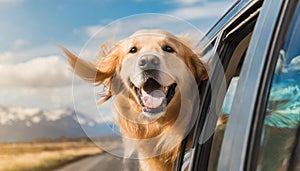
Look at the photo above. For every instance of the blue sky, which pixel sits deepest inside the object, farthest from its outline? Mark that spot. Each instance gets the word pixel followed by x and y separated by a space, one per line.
pixel 33 24
pixel 33 71
pixel 46 21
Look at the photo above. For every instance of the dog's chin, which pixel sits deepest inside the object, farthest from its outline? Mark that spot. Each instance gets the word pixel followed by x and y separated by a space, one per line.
pixel 153 97
pixel 152 116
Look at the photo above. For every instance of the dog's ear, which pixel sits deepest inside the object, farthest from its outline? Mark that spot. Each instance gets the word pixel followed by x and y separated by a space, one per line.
pixel 198 68
pixel 103 73
pixel 194 62
pixel 187 39
pixel 86 70
pixel 109 58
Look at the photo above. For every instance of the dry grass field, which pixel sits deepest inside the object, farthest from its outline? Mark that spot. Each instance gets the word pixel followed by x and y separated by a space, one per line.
pixel 42 156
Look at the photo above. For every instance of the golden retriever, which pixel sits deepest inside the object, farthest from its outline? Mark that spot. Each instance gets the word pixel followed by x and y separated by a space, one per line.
pixel 154 76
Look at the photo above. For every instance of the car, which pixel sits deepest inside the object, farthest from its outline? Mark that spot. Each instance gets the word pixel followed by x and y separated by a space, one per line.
pixel 249 116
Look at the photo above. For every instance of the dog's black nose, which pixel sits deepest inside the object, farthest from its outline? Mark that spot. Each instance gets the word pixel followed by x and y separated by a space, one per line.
pixel 146 62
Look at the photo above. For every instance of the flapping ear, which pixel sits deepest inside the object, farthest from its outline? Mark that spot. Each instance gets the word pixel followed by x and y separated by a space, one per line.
pixel 198 68
pixel 86 70
pixel 102 74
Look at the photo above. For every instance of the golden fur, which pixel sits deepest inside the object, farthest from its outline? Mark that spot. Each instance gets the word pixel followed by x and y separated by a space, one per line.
pixel 109 72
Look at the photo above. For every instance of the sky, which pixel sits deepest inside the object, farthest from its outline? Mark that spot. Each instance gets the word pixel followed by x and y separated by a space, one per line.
pixel 34 72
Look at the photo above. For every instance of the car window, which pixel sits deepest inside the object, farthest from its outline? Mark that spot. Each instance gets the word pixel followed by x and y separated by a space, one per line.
pixel 233 42
pixel 282 115
pixel 227 104
pixel 222 122
pixel 221 125
pixel 234 64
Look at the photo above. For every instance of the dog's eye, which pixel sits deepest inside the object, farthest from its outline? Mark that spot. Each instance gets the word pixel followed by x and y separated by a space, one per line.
pixel 133 50
pixel 167 49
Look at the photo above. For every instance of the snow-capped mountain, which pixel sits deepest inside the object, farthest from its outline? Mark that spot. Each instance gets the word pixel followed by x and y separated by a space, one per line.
pixel 24 124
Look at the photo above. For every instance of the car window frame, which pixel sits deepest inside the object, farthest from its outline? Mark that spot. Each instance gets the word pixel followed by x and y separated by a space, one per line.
pixel 236 139
pixel 205 103
pixel 202 163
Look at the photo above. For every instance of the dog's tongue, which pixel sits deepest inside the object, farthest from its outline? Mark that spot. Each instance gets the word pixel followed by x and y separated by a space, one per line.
pixel 153 99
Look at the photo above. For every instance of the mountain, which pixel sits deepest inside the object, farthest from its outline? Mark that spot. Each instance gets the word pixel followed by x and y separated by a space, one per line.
pixel 25 124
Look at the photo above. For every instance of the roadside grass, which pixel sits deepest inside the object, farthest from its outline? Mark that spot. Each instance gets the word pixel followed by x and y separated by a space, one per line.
pixel 43 156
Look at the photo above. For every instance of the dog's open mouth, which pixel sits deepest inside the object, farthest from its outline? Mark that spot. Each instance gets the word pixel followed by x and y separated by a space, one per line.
pixel 154 97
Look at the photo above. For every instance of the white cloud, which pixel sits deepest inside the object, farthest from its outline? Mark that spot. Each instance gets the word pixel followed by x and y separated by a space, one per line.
pixel 53 115
pixel 91 124
pixel 206 10
pixel 91 30
pixel 295 64
pixel 18 43
pixel 128 25
pixel 39 72
pixel 18 56
pixel 283 92
pixel 40 98
pixel 44 82
pixel 7 57
pixel 125 27
pixel 36 119
pixel 188 2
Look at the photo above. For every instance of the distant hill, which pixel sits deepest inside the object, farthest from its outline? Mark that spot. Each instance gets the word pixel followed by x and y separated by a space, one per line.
pixel 26 124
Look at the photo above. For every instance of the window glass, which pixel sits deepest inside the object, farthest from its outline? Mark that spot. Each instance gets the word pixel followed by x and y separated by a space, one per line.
pixel 232 49
pixel 221 125
pixel 227 104
pixel 232 76
pixel 282 115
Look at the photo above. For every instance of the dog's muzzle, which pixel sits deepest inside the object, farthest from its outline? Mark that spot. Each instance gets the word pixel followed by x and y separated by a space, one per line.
pixel 148 62
pixel 153 85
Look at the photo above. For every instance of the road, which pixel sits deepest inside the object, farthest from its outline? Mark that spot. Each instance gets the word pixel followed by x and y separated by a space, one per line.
pixel 102 162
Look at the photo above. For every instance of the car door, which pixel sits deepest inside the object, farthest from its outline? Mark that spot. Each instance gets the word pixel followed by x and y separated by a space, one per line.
pixel 274 136
pixel 228 52
pixel 258 134
pixel 229 128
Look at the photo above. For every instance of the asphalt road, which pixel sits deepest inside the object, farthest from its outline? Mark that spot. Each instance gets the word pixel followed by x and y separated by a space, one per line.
pixel 102 162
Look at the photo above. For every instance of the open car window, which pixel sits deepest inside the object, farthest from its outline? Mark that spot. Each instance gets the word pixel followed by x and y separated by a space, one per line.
pixel 232 72
pixel 214 112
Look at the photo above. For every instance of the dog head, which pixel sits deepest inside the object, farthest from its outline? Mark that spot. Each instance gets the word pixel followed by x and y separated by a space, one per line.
pixel 143 64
